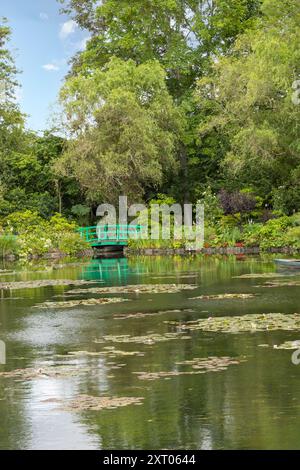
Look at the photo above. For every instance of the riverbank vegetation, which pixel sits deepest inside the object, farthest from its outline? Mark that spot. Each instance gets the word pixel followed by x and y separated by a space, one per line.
pixel 194 100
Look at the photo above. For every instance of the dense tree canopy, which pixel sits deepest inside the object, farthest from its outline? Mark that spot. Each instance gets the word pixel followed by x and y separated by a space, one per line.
pixel 184 36
pixel 27 179
pixel 249 100
pixel 123 125
pixel 174 97
pixel 11 119
pixel 181 34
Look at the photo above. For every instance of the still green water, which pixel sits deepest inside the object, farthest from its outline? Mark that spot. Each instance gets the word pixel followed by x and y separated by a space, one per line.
pixel 253 405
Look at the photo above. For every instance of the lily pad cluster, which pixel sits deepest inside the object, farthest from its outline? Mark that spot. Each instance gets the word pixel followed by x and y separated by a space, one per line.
pixel 197 366
pixel 92 403
pixel 245 323
pixel 224 297
pixel 273 284
pixel 42 283
pixel 146 339
pixel 137 289
pixel 110 352
pixel 259 276
pixel 43 372
pixel 82 302
pixel 125 316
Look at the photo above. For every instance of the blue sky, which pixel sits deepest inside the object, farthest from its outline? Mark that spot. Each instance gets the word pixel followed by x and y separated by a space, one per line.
pixel 42 43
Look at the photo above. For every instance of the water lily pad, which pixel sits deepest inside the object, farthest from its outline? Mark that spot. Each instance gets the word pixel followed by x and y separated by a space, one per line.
pixel 198 366
pixel 43 372
pixel 272 284
pixel 249 323
pixel 111 353
pixel 137 289
pixel 42 283
pixel 92 403
pixel 224 297
pixel 147 339
pixel 259 276
pixel 125 316
pixel 83 302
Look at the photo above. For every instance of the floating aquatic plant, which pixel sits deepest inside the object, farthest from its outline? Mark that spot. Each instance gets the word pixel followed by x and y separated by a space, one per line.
pixel 224 297
pixel 82 302
pixel 109 352
pixel 44 372
pixel 137 289
pixel 147 339
pixel 42 283
pixel 249 323
pixel 273 284
pixel 92 403
pixel 198 366
pixel 125 316
pixel 259 276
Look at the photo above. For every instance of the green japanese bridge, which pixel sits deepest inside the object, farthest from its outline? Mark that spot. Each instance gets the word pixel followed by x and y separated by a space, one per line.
pixel 110 235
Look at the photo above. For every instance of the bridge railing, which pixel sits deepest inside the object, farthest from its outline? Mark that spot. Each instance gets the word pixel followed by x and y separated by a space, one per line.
pixel 111 233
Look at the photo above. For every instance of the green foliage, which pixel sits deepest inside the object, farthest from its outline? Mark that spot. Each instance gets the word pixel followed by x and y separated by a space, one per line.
pixel 34 236
pixel 184 36
pixel 293 237
pixel 279 232
pixel 124 124
pixel 212 207
pixel 272 234
pixel 23 222
pixel 156 244
pixel 180 34
pixel 248 99
pixel 172 101
pixel 8 245
pixel 286 198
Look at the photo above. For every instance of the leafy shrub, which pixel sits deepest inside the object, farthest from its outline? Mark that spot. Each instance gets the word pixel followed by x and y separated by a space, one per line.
pixel 286 199
pixel 34 243
pixel 251 234
pixel 212 207
pixel 293 237
pixel 22 222
pixel 229 221
pixel 237 202
pixel 296 219
pixel 71 243
pixel 273 234
pixel 8 245
pixel 36 236
pixel 58 223
pixel 82 213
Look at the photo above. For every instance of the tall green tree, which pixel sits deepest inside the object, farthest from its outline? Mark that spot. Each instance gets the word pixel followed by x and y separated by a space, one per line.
pixel 123 126
pixel 183 35
pixel 11 119
pixel 27 178
pixel 249 100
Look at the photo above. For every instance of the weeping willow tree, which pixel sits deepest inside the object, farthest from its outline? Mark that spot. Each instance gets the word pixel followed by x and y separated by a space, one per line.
pixel 123 128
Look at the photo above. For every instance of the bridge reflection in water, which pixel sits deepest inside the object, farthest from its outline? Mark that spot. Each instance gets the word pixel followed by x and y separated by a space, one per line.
pixel 112 270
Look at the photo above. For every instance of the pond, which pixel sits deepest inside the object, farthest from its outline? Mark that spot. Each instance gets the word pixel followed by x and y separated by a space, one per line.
pixel 139 371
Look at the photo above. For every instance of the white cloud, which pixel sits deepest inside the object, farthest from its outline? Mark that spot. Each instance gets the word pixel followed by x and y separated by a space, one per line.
pixel 67 28
pixel 44 16
pixel 51 67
